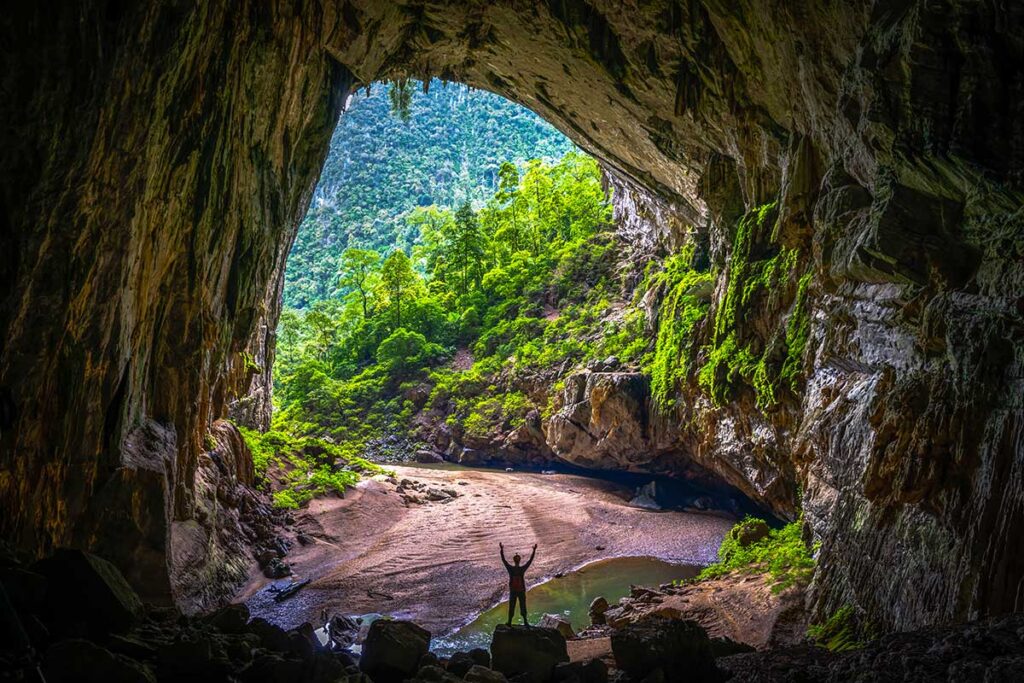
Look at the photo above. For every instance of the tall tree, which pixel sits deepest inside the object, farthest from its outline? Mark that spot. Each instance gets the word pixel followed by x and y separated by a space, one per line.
pixel 467 247
pixel 357 272
pixel 399 282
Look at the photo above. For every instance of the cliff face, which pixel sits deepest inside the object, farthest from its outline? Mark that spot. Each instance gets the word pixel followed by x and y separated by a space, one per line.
pixel 156 162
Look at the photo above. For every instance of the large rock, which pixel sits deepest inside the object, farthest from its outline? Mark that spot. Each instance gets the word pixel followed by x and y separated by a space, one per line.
pixel 669 645
pixel 529 650
pixel 86 589
pixel 559 623
pixel 461 662
pixel 393 649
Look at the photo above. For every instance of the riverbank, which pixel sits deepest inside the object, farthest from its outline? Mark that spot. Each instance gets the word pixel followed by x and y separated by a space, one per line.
pixel 436 562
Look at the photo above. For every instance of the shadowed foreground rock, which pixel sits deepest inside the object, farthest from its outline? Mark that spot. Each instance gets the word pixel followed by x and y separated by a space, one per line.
pixel 393 649
pixel 668 646
pixel 991 650
pixel 529 650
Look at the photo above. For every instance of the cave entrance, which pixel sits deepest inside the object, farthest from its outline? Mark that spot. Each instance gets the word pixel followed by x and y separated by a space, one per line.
pixel 459 259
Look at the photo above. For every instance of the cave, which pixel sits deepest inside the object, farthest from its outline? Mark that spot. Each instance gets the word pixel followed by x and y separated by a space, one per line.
pixel 158 157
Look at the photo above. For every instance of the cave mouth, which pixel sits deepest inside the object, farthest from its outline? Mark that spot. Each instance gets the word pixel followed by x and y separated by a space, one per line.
pixel 458 260
pixel 853 170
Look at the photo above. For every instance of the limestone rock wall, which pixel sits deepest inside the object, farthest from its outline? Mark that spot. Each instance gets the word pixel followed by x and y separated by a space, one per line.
pixel 156 160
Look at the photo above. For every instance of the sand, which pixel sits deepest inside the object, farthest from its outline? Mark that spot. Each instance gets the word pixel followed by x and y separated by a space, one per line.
pixel 438 564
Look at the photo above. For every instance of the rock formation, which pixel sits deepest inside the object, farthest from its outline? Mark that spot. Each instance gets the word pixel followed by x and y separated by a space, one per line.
pixel 156 159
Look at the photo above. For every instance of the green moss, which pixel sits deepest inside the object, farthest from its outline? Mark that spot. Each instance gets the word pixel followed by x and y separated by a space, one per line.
pixel 754 284
pixel 782 554
pixel 250 364
pixel 839 633
pixel 798 331
pixel 684 307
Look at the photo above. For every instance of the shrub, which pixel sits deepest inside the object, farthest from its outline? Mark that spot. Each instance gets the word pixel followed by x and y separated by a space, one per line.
pixel 782 554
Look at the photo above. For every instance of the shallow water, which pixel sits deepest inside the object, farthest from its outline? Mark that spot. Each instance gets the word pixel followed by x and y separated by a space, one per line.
pixel 569 596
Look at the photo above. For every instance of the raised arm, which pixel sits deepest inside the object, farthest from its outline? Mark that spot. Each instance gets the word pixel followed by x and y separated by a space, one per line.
pixel 530 561
pixel 501 546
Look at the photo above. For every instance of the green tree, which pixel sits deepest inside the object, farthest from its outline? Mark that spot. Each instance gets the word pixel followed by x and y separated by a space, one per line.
pixel 399 284
pixel 467 245
pixel 357 273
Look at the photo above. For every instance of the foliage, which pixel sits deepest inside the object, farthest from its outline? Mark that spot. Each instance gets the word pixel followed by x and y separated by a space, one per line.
pixel 685 306
pixel 308 466
pixel 840 632
pixel 782 554
pixel 362 362
pixel 380 168
pixel 760 273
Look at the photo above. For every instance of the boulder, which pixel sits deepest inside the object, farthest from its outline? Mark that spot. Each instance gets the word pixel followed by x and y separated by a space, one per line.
pixel 343 631
pixel 559 623
pixel 646 497
pixel 533 651
pixel 230 618
pixel 481 657
pixel 461 662
pixel 427 456
pixel 597 609
pixel 86 589
pixel 393 649
pixel 592 671
pixel 643 647
pixel 81 661
pixel 433 673
pixel 481 674
pixel 725 647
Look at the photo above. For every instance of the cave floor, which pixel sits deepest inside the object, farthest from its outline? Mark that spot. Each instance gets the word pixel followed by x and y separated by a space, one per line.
pixel 437 562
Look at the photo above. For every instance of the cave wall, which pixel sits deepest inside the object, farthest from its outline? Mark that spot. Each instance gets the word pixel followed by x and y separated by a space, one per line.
pixel 156 161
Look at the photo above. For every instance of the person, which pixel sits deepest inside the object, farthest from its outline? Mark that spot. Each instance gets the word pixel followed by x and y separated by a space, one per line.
pixel 517 582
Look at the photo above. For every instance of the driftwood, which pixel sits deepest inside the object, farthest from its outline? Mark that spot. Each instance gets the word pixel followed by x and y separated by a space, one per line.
pixel 283 594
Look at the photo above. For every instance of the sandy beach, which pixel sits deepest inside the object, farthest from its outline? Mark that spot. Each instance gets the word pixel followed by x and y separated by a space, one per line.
pixel 437 563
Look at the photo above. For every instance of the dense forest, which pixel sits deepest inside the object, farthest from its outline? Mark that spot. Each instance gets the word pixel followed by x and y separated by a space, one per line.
pixel 443 147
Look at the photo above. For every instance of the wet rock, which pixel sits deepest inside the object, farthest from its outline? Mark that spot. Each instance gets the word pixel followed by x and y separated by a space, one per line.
pixel 86 589
pixel 527 650
pixel 393 649
pixel 643 647
pixel 558 623
pixel 598 607
pixel 428 457
pixel 81 661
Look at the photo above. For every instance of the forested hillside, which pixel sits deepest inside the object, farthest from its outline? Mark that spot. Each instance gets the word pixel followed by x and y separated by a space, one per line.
pixel 382 165
pixel 452 327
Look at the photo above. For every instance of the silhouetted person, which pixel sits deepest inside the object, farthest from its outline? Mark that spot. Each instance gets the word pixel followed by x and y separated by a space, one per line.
pixel 517 582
